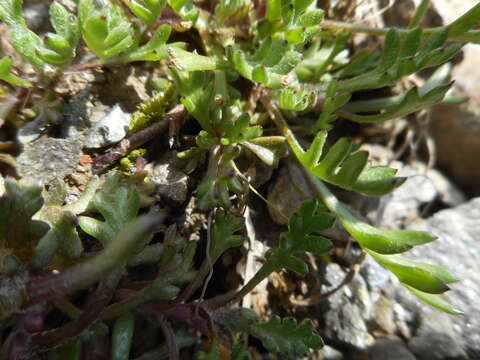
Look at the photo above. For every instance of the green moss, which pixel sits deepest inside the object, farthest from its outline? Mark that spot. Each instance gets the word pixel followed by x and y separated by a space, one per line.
pixel 127 164
pixel 152 110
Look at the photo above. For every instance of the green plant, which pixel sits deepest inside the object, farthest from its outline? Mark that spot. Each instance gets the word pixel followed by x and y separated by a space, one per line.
pixel 249 63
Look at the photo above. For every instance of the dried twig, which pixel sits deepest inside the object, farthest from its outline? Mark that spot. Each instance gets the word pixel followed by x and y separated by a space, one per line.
pixel 100 163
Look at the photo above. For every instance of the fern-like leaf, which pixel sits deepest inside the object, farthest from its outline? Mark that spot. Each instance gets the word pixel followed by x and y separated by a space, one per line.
pixel 118 204
pixel 286 336
pixel 345 167
pixel 403 56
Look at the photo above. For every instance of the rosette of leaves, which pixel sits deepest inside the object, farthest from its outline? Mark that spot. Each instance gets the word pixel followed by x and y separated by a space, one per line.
pixel 216 105
pixel 113 37
pixel 286 26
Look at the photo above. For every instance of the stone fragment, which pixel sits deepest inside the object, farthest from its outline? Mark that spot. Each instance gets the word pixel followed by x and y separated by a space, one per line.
pixel 329 353
pixel 110 129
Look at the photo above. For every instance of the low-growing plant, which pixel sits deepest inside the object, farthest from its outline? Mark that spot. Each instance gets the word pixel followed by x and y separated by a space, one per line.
pixel 258 77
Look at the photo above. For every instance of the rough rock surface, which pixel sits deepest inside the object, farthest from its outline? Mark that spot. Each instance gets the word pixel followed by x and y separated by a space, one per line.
pixel 49 158
pixel 458 249
pixel 374 317
pixel 171 183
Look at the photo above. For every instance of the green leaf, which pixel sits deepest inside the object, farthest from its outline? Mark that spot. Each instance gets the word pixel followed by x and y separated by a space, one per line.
pixel 6 74
pixel 344 167
pixel 187 61
pixel 63 221
pixel 286 336
pixel 106 30
pixel 423 277
pixel 370 238
pixel 185 9
pixel 402 57
pixel 223 234
pixel 154 50
pixel 381 240
pixel 240 130
pixel 59 48
pixel 465 22
pixel 278 259
pixel 291 98
pixel 435 301
pixel 122 336
pixel 270 64
pixel 26 44
pixel 147 10
pixel 308 219
pixel 22 199
pixel 399 106
pixel 11 12
pixel 62 234
pixel 118 203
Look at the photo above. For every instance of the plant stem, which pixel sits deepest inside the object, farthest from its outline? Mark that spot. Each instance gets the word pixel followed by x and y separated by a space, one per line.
pixel 83 275
pixel 169 337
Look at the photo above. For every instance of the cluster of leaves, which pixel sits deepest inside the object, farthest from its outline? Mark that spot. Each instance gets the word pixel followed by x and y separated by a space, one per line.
pixel 108 32
pixel 285 65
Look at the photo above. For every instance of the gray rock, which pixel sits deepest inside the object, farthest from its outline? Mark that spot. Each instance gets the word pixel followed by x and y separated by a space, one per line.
pixel 436 346
pixel 345 325
pixel 49 158
pixel 350 308
pixel 457 249
pixel 423 186
pixel 171 183
pixel 110 129
pixel 390 349
pixel 378 279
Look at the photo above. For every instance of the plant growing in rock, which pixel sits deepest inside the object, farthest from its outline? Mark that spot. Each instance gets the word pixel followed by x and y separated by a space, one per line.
pixel 258 76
